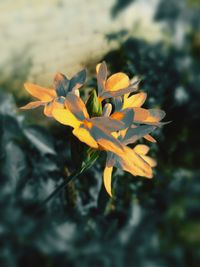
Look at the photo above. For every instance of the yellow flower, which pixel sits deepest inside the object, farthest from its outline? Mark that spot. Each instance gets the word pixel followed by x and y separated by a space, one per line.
pixel 134 160
pixel 116 85
pixel 95 132
pixel 54 98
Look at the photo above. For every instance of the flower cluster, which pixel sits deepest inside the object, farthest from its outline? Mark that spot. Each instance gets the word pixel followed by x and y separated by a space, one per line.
pixel 111 119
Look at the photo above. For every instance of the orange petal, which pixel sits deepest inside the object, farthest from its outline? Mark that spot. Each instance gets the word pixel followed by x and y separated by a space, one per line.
pixel 84 136
pixel 44 94
pixel 117 81
pixel 149 138
pixel 136 100
pixel 107 179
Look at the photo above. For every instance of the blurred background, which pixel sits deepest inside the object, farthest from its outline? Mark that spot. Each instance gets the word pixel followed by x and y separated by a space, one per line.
pixel 148 223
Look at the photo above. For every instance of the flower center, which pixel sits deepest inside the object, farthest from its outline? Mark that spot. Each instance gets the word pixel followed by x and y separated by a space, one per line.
pixel 87 124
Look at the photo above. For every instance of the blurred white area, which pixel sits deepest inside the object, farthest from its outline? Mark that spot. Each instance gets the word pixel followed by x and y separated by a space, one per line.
pixel 65 36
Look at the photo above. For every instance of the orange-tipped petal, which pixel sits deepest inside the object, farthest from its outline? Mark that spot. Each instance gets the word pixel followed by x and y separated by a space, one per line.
pixel 136 100
pixel 65 117
pixel 84 136
pixel 76 106
pixel 107 179
pixel 44 94
pixel 149 138
pixel 117 81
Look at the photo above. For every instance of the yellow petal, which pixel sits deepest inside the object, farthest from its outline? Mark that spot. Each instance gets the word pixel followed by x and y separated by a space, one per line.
pixel 149 138
pixel 44 94
pixel 149 160
pixel 136 100
pixel 65 117
pixel 141 149
pixel 84 136
pixel 107 179
pixel 117 81
pixel 133 163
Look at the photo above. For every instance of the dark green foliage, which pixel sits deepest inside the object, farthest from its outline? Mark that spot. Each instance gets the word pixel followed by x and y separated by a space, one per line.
pixel 148 222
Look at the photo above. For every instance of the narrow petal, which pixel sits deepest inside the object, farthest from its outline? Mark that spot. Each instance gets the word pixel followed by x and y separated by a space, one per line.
pixel 107 179
pixel 76 106
pixel 44 94
pixel 84 136
pixel 117 81
pixel 65 117
pixel 149 138
pixel 136 100
pixel 141 149
pixel 33 105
